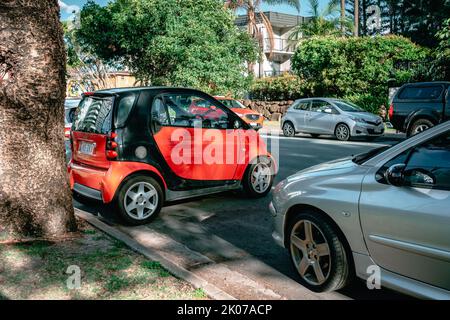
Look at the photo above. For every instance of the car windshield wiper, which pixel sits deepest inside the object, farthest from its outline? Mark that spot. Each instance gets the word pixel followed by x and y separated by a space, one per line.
pixel 361 158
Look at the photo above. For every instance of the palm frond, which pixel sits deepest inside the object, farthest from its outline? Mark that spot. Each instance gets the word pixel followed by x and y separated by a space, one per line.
pixel 314 8
pixel 331 8
pixel 235 4
pixel 269 29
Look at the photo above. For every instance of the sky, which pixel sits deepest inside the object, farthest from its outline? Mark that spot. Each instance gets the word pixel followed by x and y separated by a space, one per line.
pixel 68 6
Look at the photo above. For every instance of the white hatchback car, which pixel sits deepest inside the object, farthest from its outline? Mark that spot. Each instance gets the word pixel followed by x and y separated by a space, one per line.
pixel 326 116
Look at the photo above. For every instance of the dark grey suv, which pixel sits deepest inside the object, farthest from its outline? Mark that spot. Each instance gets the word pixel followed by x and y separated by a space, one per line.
pixel 419 106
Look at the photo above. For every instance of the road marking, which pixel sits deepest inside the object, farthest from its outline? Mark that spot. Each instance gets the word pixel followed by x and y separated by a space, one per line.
pixel 323 141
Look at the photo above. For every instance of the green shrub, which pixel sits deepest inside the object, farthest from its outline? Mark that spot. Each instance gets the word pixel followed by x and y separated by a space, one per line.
pixel 367 101
pixel 359 69
pixel 284 87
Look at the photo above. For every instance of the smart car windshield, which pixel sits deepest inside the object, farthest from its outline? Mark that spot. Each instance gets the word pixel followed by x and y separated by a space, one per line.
pixel 348 106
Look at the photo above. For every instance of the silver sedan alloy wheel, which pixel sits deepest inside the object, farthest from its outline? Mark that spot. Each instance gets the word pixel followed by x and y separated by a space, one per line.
pixel 310 252
pixel 260 178
pixel 141 200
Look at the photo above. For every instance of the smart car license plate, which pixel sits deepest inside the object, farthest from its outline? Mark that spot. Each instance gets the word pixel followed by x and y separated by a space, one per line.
pixel 87 148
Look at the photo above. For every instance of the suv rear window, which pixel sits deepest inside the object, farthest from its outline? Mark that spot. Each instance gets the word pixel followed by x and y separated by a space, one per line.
pixel 94 115
pixel 421 93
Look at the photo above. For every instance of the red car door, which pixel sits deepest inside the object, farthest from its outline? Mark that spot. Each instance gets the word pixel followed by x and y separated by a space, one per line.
pixel 194 138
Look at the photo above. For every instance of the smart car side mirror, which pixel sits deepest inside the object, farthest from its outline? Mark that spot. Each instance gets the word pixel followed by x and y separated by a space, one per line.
pixel 394 175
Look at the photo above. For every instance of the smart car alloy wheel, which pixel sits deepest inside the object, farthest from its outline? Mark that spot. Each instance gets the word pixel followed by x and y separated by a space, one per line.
pixel 141 200
pixel 261 177
pixel 258 178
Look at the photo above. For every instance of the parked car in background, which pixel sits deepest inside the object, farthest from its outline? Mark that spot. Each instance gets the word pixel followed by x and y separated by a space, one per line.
pixel 326 116
pixel 417 107
pixel 124 152
pixel 253 118
pixel 70 105
pixel 386 210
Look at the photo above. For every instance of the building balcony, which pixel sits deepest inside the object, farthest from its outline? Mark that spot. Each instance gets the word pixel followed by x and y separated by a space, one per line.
pixel 275 73
pixel 279 46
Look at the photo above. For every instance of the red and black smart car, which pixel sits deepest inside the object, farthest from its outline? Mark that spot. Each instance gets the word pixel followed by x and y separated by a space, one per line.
pixel 140 147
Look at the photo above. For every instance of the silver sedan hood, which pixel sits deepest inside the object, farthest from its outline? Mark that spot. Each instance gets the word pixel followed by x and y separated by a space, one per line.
pixel 342 163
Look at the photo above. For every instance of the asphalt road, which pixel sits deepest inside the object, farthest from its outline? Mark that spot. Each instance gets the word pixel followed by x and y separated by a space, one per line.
pixel 247 224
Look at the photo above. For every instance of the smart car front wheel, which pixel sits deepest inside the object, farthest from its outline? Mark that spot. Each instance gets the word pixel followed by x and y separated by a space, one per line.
pixel 258 178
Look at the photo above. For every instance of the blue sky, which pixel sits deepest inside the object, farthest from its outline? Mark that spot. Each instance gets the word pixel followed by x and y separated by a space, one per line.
pixel 67 6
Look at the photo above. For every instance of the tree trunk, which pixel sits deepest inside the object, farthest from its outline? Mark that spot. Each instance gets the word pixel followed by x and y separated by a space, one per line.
pixel 364 18
pixel 343 17
pixel 356 18
pixel 35 199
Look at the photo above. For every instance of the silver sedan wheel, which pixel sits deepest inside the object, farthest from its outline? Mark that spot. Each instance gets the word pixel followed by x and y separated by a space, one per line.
pixel 421 128
pixel 141 200
pixel 260 178
pixel 342 132
pixel 310 252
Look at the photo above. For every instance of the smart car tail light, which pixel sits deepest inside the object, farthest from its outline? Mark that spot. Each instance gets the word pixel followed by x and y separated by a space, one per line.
pixel 111 146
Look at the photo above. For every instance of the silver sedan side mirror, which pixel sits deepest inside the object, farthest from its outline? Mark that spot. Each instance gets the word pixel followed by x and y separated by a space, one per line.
pixel 395 175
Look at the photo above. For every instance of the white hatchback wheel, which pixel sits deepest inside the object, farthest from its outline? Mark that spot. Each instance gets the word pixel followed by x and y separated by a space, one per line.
pixel 288 130
pixel 342 132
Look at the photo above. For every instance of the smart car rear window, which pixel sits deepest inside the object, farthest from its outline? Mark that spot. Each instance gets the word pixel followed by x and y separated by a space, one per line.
pixel 421 93
pixel 123 109
pixel 93 115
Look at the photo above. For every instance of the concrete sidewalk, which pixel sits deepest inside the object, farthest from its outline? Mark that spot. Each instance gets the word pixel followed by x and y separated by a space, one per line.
pixel 222 278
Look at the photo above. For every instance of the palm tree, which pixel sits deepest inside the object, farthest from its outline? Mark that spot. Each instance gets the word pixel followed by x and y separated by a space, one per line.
pixel 356 23
pixel 255 16
pixel 324 22
pixel 35 198
pixel 342 17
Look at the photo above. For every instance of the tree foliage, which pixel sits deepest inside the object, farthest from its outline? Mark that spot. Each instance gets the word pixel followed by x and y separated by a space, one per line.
pixel 325 22
pixel 442 53
pixel 190 43
pixel 417 20
pixel 360 68
pixel 84 65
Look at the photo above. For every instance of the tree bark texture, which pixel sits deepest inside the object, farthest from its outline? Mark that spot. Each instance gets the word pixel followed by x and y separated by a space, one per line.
pixel 35 198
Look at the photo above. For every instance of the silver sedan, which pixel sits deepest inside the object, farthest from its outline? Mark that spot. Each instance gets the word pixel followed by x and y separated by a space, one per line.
pixel 325 116
pixel 383 216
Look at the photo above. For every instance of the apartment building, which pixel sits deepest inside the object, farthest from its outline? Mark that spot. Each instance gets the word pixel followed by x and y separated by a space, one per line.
pixel 275 60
